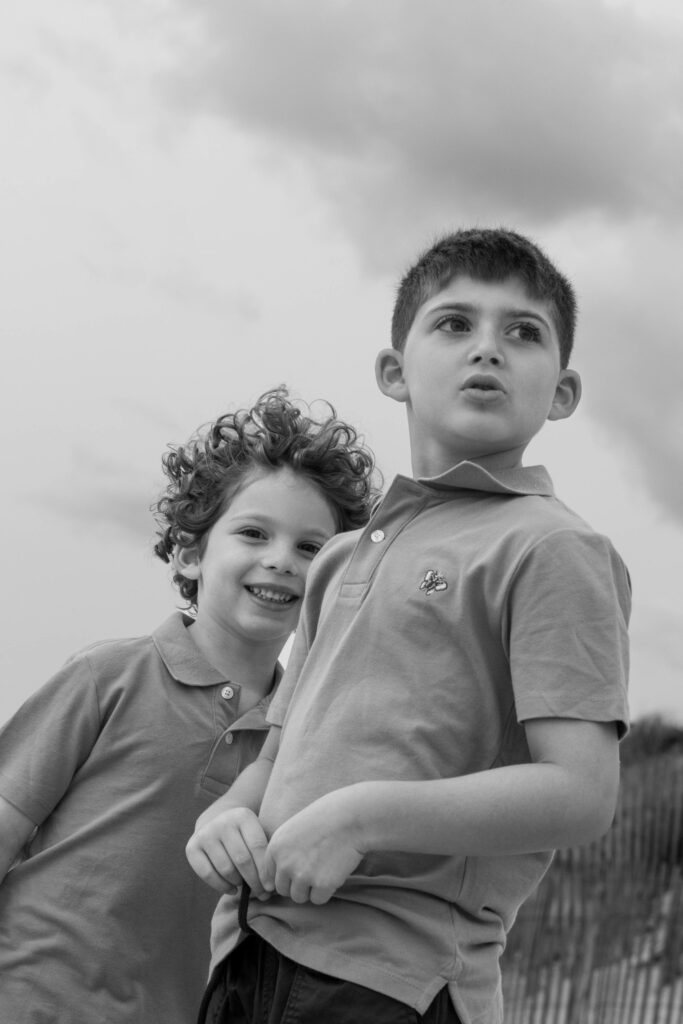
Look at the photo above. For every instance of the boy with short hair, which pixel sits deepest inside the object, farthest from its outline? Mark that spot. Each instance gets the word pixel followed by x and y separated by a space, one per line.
pixel 452 706
pixel 104 770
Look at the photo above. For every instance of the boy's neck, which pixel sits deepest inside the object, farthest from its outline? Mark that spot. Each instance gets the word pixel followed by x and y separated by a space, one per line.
pixel 494 461
pixel 250 665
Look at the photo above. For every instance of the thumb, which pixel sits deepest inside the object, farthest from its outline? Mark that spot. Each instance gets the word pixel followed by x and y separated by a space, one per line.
pixel 267 871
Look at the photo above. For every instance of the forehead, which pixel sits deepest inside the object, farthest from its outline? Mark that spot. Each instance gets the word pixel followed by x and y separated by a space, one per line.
pixel 281 494
pixel 260 485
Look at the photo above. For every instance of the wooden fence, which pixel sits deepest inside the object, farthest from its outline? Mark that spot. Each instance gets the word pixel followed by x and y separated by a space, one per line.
pixel 601 940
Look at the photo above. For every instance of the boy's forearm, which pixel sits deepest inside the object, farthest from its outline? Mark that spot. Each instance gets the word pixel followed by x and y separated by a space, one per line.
pixel 515 809
pixel 566 795
pixel 521 809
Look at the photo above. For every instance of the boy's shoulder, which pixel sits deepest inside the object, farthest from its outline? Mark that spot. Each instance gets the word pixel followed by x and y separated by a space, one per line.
pixel 115 647
pixel 543 532
pixel 540 515
pixel 109 656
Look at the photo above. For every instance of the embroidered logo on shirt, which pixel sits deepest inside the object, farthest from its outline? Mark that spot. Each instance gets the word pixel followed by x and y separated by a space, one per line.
pixel 433 581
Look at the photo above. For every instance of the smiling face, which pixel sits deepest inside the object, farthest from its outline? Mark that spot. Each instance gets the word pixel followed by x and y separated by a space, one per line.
pixel 252 570
pixel 480 373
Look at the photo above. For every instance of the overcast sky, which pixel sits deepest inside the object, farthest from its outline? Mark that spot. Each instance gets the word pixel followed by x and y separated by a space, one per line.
pixel 201 200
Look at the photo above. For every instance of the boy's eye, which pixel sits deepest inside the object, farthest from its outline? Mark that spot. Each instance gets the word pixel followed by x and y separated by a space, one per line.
pixel 310 548
pixel 253 532
pixel 452 324
pixel 526 332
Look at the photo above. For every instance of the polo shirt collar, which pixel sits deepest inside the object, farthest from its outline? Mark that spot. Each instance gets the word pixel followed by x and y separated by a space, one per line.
pixel 185 661
pixel 477 476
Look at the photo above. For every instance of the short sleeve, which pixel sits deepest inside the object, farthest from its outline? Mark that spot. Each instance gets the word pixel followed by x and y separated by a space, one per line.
pixel 43 745
pixel 569 607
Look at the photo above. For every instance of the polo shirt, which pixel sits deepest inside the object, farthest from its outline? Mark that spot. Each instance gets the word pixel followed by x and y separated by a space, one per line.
pixel 114 759
pixel 471 603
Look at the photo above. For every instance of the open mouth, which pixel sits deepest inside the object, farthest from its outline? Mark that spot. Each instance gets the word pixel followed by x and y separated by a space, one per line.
pixel 483 382
pixel 272 596
pixel 485 388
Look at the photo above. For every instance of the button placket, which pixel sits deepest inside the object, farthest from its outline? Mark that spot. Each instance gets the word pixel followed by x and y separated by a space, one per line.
pixel 229 699
pixel 404 500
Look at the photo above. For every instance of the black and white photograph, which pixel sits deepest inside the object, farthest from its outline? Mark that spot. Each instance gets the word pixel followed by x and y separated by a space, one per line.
pixel 341 676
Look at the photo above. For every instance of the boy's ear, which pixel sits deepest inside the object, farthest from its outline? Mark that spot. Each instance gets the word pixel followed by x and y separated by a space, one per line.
pixel 567 395
pixel 389 374
pixel 186 561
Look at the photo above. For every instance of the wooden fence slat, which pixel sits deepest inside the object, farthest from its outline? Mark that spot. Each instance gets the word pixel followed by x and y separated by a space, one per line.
pixel 601 941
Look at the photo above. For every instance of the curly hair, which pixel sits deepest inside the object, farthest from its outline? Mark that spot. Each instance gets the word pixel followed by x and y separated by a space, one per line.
pixel 207 472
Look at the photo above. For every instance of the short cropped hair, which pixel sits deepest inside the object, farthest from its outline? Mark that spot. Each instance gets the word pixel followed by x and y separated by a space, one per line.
pixel 206 473
pixel 486 254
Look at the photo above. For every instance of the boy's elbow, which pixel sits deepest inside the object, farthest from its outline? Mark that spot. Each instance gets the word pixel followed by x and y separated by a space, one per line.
pixel 600 822
pixel 585 758
pixel 597 811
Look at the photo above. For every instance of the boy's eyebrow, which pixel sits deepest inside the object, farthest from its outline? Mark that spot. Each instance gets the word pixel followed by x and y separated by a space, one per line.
pixel 264 518
pixel 528 314
pixel 461 307
pixel 468 307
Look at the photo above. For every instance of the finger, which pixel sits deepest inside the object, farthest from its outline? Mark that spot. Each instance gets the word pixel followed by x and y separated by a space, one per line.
pixel 268 871
pixel 208 858
pixel 256 842
pixel 246 861
pixel 283 881
pixel 242 860
pixel 298 885
pixel 203 867
pixel 321 894
pixel 299 891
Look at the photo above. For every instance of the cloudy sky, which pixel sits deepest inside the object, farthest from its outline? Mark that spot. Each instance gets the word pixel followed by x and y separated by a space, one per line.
pixel 201 200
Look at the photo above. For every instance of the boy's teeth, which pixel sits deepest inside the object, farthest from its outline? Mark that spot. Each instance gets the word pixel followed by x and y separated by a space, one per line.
pixel 271 595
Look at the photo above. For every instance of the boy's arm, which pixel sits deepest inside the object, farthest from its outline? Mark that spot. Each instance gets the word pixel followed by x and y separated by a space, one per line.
pixel 567 795
pixel 229 845
pixel 41 747
pixel 15 829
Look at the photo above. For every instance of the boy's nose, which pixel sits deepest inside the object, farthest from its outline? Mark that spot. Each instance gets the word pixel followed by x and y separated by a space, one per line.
pixel 279 559
pixel 485 349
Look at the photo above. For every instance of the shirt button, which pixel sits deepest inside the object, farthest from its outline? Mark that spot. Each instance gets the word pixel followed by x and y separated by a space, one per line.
pixel 376 536
pixel 227 692
pixel 229 738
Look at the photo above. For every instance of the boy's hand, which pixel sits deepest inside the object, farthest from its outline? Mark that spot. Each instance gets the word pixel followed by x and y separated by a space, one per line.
pixel 313 853
pixel 230 849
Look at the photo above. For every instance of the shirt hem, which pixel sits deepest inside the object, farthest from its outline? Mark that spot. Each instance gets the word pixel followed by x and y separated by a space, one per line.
pixel 338 965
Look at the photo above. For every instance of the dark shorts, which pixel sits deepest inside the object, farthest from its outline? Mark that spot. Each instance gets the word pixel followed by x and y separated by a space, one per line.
pixel 258 985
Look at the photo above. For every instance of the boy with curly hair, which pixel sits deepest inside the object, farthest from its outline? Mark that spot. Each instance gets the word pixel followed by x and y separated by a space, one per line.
pixel 104 770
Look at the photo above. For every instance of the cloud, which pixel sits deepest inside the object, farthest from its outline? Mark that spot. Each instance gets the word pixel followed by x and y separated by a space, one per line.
pixel 532 111
pixel 657 661
pixel 632 345
pixel 102 494
pixel 181 284
pixel 564 120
